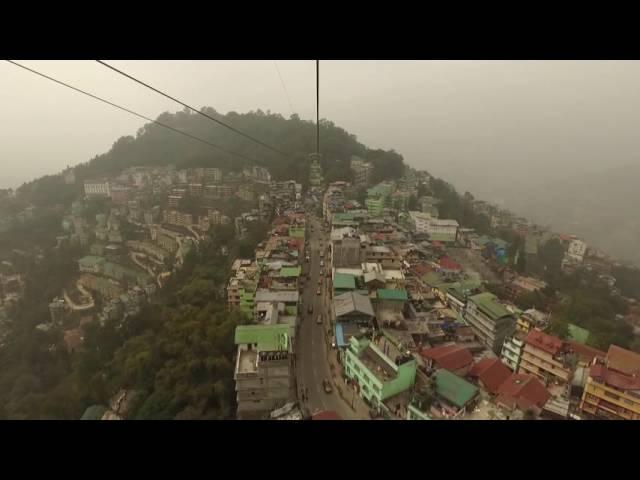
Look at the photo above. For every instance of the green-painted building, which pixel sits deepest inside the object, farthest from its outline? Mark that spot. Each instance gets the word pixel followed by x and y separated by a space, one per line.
pixel 378 198
pixel 376 375
pixel 375 206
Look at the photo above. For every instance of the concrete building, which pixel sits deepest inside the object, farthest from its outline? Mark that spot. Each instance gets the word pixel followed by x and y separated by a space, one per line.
pixel 97 188
pixel 212 175
pixel 512 350
pixel 375 375
pixel 441 230
pixel 347 249
pixel 242 286
pixel 490 320
pixel 362 171
pixel 576 250
pixel 530 319
pixel 548 358
pixel 57 310
pixel 612 390
pixel 315 171
pixel 263 371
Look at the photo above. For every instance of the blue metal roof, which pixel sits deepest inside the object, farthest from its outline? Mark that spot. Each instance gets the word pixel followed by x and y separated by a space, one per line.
pixel 340 336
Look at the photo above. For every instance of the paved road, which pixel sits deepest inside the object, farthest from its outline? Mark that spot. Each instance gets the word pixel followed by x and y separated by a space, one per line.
pixel 311 347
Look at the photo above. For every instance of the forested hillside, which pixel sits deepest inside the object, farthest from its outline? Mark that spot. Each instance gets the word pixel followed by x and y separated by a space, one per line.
pixel 156 145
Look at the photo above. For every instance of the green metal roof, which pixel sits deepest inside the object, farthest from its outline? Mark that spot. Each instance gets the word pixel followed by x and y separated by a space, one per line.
pixel 267 337
pixel 288 272
pixel 454 389
pixel 442 237
pixel 487 302
pixel 392 294
pixel 432 279
pixel 578 334
pixel 344 281
pixel 91 260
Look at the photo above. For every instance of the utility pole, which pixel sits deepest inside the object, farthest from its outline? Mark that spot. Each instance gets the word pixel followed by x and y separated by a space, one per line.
pixel 318 107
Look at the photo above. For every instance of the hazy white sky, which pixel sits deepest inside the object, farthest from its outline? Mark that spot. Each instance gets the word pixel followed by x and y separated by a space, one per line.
pixel 493 121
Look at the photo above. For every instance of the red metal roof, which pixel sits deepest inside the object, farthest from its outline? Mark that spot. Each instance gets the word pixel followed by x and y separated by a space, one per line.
pixel 545 342
pixel 615 379
pixel 326 415
pixel 448 264
pixel 491 372
pixel 449 357
pixel 622 360
pixel 586 353
pixel 421 269
pixel 522 390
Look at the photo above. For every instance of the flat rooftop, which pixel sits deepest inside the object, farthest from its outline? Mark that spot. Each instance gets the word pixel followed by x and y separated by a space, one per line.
pixel 248 361
pixel 377 365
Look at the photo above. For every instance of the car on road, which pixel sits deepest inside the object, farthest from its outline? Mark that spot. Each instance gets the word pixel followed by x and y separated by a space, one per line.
pixel 319 291
pixel 319 320
pixel 310 308
pixel 319 280
pixel 326 384
pixel 322 263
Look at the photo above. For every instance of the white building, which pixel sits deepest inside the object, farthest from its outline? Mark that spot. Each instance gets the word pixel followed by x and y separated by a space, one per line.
pixel 577 249
pixel 438 229
pixel 361 171
pixel 97 188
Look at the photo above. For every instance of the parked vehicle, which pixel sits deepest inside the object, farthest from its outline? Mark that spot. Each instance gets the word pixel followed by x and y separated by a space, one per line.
pixel 319 320
pixel 319 291
pixel 310 308
pixel 327 386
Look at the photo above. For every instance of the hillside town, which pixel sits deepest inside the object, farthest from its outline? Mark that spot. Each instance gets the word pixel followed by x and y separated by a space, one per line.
pixel 380 310
pixel 362 302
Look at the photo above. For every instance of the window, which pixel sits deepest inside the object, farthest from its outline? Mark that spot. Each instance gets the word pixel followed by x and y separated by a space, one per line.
pixel 611 395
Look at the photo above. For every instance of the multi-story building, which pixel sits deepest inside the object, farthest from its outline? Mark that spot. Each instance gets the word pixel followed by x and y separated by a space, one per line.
pixel 576 250
pixel 119 194
pixel 362 171
pixel 490 320
pixel 174 217
pixel 57 310
pixel 512 350
pixel 195 190
pixel 245 193
pixel 97 188
pixel 213 175
pixel 532 318
pixel 347 249
pixel 315 171
pixel 263 371
pixel 376 376
pixel 215 217
pixel 522 285
pixel 242 286
pixel 258 174
pixel 612 390
pixel 548 358
pixel 438 229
